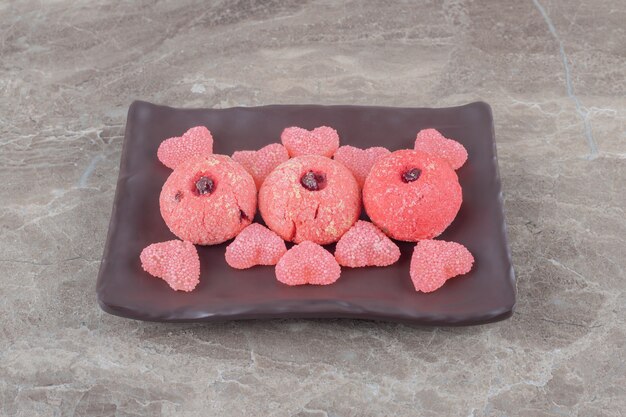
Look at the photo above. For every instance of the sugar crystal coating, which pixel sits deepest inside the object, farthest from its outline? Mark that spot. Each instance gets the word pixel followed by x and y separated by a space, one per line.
pixel 435 261
pixel 260 163
pixel 297 213
pixel 207 200
pixel 366 245
pixel 419 209
pixel 255 245
pixel 360 161
pixel 174 261
pixel 307 263
pixel 322 140
pixel 197 141
pixel 433 142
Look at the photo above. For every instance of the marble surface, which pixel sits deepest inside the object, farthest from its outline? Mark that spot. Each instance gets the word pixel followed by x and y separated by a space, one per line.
pixel 554 72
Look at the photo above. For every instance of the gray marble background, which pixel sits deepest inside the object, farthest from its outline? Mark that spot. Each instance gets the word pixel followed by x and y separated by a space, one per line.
pixel 554 72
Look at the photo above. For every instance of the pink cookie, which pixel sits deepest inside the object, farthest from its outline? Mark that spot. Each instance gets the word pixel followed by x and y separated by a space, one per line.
pixel 255 245
pixel 174 261
pixel 208 200
pixel 436 261
pixel 366 245
pixel 260 163
pixel 322 140
pixel 434 143
pixel 310 198
pixel 307 263
pixel 412 195
pixel 360 161
pixel 197 141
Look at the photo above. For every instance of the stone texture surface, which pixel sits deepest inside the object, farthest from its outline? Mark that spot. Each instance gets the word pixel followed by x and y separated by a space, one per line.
pixel 554 72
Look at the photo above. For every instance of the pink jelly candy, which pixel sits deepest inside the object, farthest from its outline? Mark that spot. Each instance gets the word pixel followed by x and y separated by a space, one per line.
pixel 260 163
pixel 436 261
pixel 434 143
pixel 322 140
pixel 197 141
pixel 359 161
pixel 307 263
pixel 255 245
pixel 175 261
pixel 366 245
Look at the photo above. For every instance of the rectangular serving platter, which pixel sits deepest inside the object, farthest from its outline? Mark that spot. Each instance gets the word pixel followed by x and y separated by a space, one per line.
pixel 485 294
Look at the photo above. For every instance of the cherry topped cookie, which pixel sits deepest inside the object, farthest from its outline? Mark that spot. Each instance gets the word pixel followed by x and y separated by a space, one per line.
pixel 208 199
pixel 310 197
pixel 411 195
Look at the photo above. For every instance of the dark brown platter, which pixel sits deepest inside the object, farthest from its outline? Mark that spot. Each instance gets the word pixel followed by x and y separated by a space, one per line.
pixel 486 294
